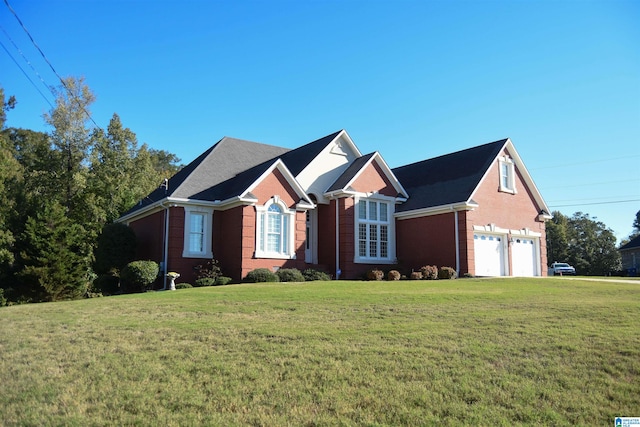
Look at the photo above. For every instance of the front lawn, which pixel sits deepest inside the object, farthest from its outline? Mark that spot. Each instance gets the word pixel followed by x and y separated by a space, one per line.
pixel 468 351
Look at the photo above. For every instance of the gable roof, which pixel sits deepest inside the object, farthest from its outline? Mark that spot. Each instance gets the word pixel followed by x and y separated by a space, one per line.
pixel 448 179
pixel 452 179
pixel 632 244
pixel 358 166
pixel 297 159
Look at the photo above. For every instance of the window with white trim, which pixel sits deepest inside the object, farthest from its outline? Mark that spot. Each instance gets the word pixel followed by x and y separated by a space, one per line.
pixel 373 230
pixel 275 230
pixel 197 232
pixel 507 175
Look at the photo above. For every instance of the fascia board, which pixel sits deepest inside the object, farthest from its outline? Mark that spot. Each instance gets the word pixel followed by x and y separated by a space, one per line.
pixel 279 164
pixel 145 211
pixel 436 210
pixel 345 136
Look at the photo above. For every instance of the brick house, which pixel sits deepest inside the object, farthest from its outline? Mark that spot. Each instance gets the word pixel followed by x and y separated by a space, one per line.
pixel 630 254
pixel 326 205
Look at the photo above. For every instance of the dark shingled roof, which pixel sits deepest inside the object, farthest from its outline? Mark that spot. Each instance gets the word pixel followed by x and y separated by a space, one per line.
pixel 447 179
pixel 296 160
pixel 351 171
pixel 229 167
pixel 632 244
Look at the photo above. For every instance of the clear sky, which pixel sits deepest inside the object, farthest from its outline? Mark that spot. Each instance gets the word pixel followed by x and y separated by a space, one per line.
pixel 410 79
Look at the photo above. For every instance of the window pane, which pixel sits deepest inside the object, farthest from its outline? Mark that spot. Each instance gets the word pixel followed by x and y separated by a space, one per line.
pixel 197 223
pixel 373 240
pixel 383 212
pixel 362 239
pixel 384 241
pixel 373 211
pixel 362 209
pixel 275 208
pixel 196 233
pixel 285 234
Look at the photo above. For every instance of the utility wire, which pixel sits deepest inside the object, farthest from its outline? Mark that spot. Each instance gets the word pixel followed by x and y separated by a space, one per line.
pixel 49 63
pixel 564 165
pixel 25 74
pixel 595 203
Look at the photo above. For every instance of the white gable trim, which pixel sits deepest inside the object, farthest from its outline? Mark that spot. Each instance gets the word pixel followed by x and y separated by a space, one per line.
pixel 305 202
pixel 526 177
pixel 385 169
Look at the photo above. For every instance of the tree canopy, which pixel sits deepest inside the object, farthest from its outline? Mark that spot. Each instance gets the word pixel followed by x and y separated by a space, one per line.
pixel 59 189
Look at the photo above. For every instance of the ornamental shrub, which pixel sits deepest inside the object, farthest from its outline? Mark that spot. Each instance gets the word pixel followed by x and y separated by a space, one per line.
pixel 107 284
pixel 223 280
pixel 210 269
pixel 393 275
pixel 447 273
pixel 290 275
pixel 429 272
pixel 261 275
pixel 375 274
pixel 416 275
pixel 116 248
pixel 310 275
pixel 137 276
pixel 205 281
pixel 183 286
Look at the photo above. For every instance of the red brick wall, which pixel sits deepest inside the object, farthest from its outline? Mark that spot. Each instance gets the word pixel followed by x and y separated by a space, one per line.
pixel 149 235
pixel 327 236
pixel 428 240
pixel 373 179
pixel 276 184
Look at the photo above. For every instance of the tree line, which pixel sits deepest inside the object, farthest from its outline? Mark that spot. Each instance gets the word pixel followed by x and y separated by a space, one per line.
pixel 58 190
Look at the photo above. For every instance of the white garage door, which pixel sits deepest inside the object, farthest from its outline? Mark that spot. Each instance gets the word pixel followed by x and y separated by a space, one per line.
pixel 489 254
pixel 524 262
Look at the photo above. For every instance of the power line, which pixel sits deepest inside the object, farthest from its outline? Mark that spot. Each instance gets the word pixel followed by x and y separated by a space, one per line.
pixel 595 203
pixel 564 165
pixel 25 74
pixel 6 2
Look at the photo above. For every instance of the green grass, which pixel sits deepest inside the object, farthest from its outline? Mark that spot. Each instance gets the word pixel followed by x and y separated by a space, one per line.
pixel 472 351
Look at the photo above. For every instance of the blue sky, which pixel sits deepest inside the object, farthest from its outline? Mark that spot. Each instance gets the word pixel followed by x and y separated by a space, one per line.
pixel 410 79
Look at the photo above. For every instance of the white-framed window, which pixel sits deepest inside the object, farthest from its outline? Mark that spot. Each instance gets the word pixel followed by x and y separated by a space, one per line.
pixel 275 230
pixel 374 231
pixel 507 175
pixel 197 232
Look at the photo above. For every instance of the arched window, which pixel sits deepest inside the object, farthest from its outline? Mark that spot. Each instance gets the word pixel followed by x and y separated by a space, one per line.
pixel 274 231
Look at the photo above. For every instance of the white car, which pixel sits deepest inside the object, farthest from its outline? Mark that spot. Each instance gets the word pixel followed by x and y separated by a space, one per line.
pixel 561 268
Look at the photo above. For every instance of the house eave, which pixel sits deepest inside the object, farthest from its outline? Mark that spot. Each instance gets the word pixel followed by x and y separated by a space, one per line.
pixel 436 210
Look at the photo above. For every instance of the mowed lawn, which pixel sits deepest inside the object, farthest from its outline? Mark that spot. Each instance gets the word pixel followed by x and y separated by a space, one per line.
pixel 470 351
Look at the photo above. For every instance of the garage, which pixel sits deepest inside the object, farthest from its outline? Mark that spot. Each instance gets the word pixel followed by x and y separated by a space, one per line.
pixel 523 253
pixel 489 254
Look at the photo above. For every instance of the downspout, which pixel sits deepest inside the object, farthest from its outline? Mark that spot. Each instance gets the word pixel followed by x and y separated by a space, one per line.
pixel 457 234
pixel 165 242
pixel 338 272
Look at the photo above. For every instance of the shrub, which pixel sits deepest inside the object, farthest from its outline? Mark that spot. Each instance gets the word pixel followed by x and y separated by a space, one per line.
pixel 261 275
pixel 3 300
pixel 393 275
pixel 183 286
pixel 210 270
pixel 290 275
pixel 429 272
pixel 223 280
pixel 106 284
pixel 375 274
pixel 205 281
pixel 116 247
pixel 416 275
pixel 447 273
pixel 310 275
pixel 137 276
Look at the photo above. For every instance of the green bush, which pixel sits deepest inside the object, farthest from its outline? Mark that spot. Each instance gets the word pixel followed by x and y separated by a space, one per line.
pixel 290 275
pixel 3 300
pixel 393 275
pixel 183 286
pixel 429 272
pixel 106 284
pixel 205 281
pixel 209 270
pixel 223 280
pixel 447 273
pixel 137 276
pixel 115 248
pixel 375 274
pixel 261 275
pixel 310 275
